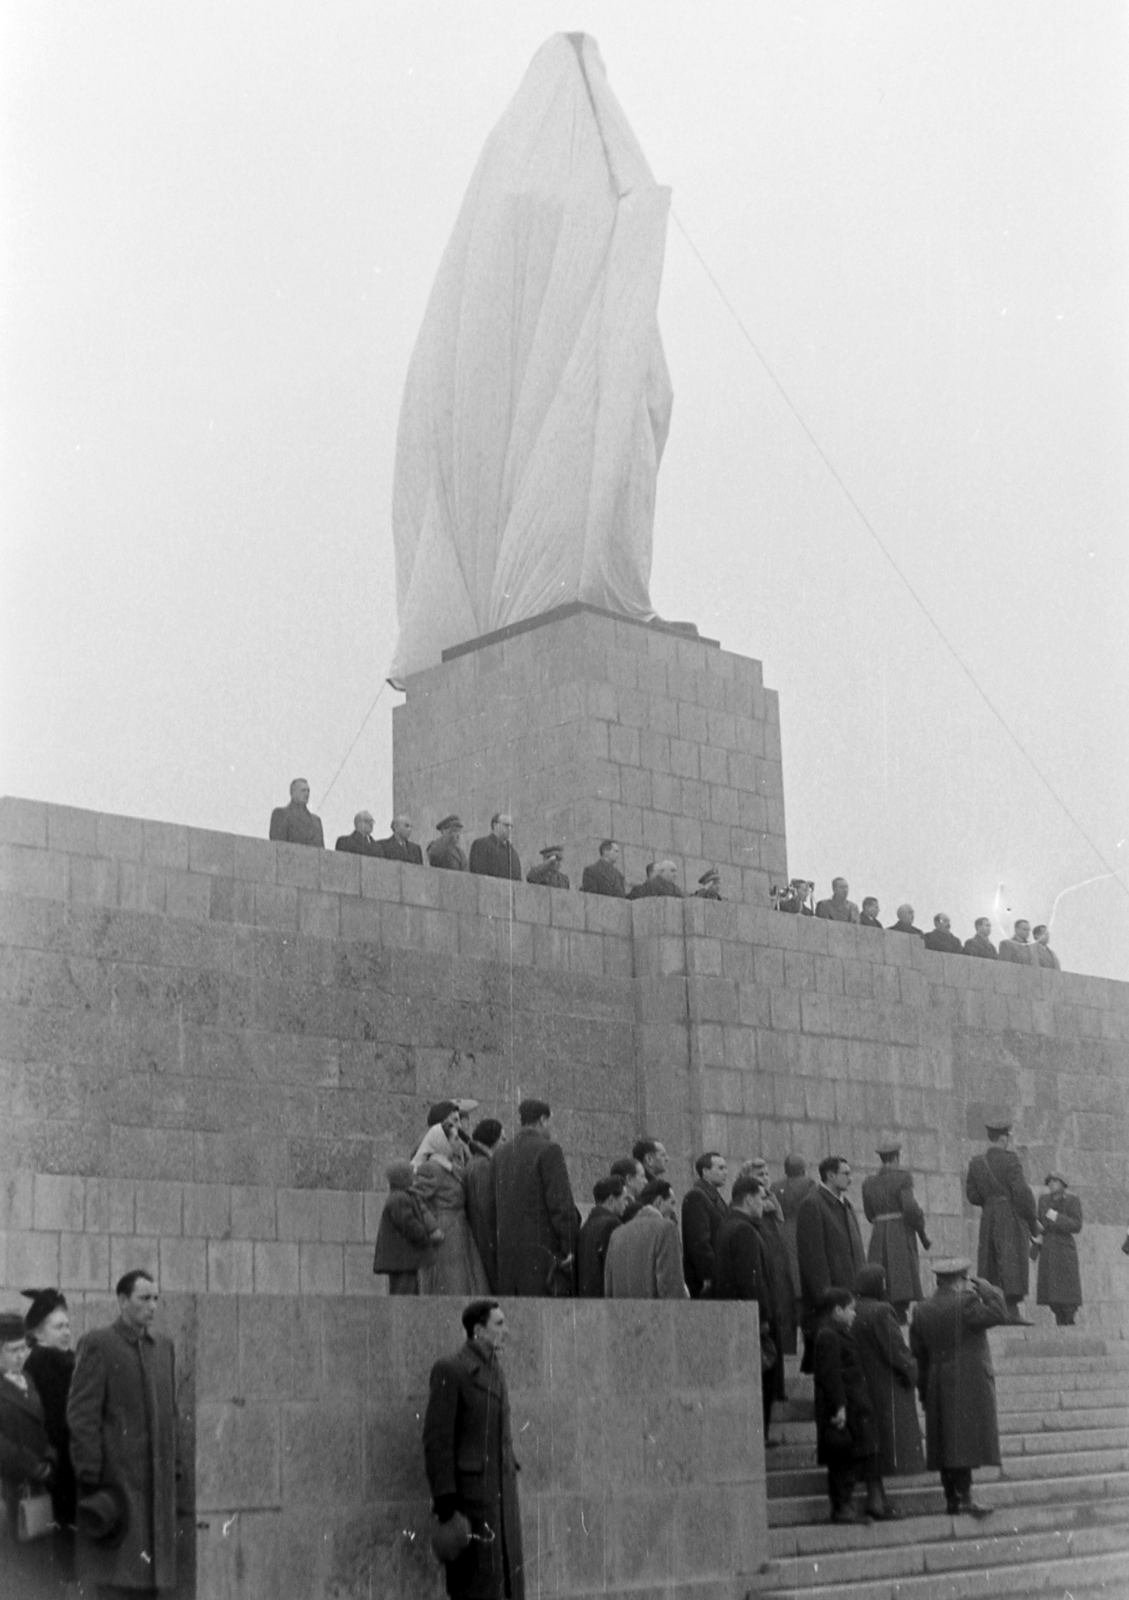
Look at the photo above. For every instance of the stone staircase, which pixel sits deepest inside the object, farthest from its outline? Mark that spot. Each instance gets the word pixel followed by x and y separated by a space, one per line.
pixel 1060 1528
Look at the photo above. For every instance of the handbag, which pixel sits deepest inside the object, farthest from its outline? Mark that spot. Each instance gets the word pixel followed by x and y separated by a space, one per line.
pixel 35 1517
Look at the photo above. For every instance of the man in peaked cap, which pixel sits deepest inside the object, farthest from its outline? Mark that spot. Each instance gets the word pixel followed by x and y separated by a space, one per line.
pixel 898 1222
pixel 1008 1219
pixel 949 1341
pixel 709 885
pixel 446 851
pixel 549 873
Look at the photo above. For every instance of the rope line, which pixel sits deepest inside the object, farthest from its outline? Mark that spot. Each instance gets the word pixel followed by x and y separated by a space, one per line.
pixel 874 534
pixel 353 746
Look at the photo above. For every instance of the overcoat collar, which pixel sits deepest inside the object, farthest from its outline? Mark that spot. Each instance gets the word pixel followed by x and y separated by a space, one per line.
pixel 712 1193
pixel 483 1368
pixel 132 1335
pixel 29 1401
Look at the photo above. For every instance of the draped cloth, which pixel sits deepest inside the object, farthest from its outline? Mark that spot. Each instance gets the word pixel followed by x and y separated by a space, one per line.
pixel 537 401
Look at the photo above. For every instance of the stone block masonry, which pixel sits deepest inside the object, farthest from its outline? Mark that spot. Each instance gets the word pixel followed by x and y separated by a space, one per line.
pixel 586 726
pixel 202 1076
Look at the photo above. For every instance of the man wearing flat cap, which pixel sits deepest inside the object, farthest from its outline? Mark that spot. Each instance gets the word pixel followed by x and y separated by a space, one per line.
pixel 898 1222
pixel 446 852
pixel 122 1417
pixel 493 856
pixel 1008 1219
pixel 948 1339
pixel 549 873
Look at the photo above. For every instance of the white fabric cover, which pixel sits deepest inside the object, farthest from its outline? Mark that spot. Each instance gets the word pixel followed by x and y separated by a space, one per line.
pixel 538 400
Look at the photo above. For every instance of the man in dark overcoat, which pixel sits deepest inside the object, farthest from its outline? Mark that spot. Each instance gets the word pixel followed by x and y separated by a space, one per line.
pixel 828 1244
pixel 360 842
pixel 296 823
pixel 1008 1221
pixel 898 1222
pixel 891 1376
pixel 789 1192
pixel 536 1217
pixel 595 1231
pixel 703 1211
pixel 398 846
pixel 742 1271
pixel 469 1459
pixel 948 1339
pixel 123 1422
pixel 478 1182
pixel 603 876
pixel 772 1229
pixel 493 856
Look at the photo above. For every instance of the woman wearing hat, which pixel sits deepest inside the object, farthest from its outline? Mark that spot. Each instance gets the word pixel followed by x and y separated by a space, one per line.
pixel 454 1266
pixel 27 1462
pixel 50 1366
pixel 1059 1284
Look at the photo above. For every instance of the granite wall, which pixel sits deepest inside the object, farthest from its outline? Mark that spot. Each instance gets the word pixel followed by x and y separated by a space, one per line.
pixel 588 726
pixel 211 1046
pixel 637 1428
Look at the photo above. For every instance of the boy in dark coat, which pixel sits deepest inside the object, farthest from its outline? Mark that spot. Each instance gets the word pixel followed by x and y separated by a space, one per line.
pixel 597 1228
pixel 408 1229
pixel 846 1438
pixel 1059 1284
pixel 955 1381
pixel 891 1374
pixel 469 1459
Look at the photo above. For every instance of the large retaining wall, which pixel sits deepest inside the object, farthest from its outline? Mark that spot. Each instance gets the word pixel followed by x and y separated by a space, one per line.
pixel 211 1046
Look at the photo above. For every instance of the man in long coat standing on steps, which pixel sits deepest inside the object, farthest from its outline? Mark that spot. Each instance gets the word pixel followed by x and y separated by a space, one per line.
pixel 828 1244
pixel 122 1417
pixel 1009 1220
pixel 898 1222
pixel 948 1339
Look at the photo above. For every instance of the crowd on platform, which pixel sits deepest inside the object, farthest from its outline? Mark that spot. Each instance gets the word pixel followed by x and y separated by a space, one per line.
pixel 1027 946
pixel 495 855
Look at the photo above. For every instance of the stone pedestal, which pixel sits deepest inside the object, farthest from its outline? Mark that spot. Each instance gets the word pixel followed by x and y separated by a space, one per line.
pixel 586 726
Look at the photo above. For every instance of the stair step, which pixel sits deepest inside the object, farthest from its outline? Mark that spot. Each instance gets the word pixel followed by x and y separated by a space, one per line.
pixel 1053 1465
pixel 1035 1343
pixel 1043 1366
pixel 813 1480
pixel 1037 1399
pixel 810 1539
pixel 987 1549
pixel 1066 1440
pixel 924 1498
pixel 1024 1581
pixel 1076 1418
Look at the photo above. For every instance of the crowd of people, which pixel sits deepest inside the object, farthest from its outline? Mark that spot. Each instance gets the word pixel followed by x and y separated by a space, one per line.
pixel 475 1213
pixel 494 855
pixel 1027 946
pixel 88 1449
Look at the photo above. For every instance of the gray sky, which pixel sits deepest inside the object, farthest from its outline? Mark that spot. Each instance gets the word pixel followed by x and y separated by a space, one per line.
pixel 227 219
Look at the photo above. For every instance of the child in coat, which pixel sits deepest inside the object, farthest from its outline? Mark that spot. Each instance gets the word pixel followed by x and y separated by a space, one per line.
pixel 407 1233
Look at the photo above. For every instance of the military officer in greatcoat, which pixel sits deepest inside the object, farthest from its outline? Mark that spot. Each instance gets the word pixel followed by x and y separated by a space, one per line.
pixel 898 1222
pixel 446 850
pixel 1008 1221
pixel 949 1341
pixel 469 1459
pixel 549 873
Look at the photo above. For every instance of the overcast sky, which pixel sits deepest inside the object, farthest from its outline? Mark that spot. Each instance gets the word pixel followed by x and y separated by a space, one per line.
pixel 227 218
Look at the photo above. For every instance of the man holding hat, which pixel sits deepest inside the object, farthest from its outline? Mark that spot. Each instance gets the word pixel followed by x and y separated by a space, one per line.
pixel 1008 1220
pixel 949 1341
pixel 898 1222
pixel 709 885
pixel 549 873
pixel 122 1417
pixel 468 1456
pixel 446 851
